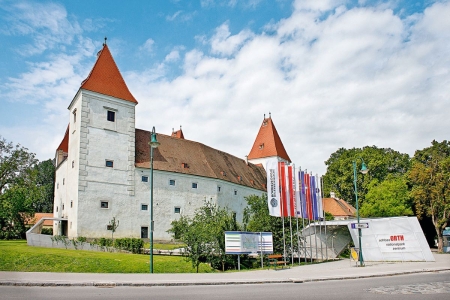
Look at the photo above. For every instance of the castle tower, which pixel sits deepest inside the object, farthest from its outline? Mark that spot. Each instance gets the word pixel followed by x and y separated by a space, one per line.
pixel 97 174
pixel 267 145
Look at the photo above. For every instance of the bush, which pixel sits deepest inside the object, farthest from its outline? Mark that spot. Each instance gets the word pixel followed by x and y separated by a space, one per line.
pixel 129 244
pixel 48 231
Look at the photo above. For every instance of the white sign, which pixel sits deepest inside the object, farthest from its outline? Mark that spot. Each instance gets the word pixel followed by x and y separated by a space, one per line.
pixel 360 225
pixel 392 239
pixel 241 242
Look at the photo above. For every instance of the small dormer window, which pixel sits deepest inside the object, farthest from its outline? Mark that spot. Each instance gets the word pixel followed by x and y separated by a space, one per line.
pixel 111 116
pixel 261 146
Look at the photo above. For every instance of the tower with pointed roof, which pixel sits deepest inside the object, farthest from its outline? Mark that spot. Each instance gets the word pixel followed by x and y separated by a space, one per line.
pixel 101 133
pixel 267 144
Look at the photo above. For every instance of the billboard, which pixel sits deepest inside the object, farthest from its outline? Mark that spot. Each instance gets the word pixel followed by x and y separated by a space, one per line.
pixel 392 239
pixel 243 242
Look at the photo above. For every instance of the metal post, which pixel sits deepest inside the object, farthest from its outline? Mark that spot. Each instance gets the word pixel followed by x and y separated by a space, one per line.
pixel 151 209
pixel 360 258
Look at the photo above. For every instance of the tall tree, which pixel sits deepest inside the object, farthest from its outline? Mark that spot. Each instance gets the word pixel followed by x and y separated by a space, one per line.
pixel 380 161
pixel 430 178
pixel 45 181
pixel 388 198
pixel 17 188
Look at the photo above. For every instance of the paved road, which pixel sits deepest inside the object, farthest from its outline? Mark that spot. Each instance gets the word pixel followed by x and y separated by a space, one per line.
pixel 413 286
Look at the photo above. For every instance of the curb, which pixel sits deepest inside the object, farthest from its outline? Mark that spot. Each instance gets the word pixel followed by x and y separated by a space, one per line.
pixel 155 284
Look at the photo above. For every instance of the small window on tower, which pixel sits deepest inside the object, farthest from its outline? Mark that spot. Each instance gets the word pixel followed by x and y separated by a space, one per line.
pixel 177 210
pixel 144 178
pixel 104 204
pixel 74 115
pixel 109 163
pixel 111 116
pixel 194 185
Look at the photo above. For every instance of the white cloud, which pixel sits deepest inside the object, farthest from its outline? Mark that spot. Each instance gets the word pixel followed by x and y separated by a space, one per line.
pixel 348 78
pixel 147 46
pixel 223 43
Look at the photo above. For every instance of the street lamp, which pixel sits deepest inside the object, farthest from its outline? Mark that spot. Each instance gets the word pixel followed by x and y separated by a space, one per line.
pixel 363 170
pixel 153 145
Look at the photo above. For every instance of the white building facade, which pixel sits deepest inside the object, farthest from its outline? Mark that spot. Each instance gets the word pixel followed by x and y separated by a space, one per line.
pixel 103 166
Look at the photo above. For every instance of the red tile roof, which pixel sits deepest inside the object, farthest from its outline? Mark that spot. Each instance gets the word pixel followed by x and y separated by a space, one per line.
pixel 189 157
pixel 105 78
pixel 268 142
pixel 338 207
pixel 37 217
pixel 64 146
pixel 178 134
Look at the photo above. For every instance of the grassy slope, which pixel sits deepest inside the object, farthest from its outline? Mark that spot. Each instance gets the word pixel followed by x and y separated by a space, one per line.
pixel 18 256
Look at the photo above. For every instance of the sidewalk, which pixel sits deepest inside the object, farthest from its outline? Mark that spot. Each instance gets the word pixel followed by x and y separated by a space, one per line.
pixel 342 269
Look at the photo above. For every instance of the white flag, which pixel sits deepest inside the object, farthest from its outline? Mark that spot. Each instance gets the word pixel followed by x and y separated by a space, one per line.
pixel 273 189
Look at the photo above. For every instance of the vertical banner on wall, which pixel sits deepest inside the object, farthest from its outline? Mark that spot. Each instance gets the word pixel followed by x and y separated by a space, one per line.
pixel 273 189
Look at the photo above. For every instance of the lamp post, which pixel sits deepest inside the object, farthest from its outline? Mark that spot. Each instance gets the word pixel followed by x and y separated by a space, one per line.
pixel 363 170
pixel 153 145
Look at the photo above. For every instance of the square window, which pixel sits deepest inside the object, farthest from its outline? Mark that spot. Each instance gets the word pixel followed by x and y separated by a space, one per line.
pixel 109 163
pixel 104 204
pixel 144 178
pixel 144 206
pixel 194 185
pixel 177 210
pixel 109 227
pixel 111 116
pixel 172 182
pixel 144 232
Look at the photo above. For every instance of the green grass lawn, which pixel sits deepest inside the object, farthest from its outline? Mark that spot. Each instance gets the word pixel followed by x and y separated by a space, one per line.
pixel 18 256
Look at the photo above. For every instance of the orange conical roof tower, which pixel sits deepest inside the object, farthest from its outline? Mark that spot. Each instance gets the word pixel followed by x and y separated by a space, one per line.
pixel 105 78
pixel 268 143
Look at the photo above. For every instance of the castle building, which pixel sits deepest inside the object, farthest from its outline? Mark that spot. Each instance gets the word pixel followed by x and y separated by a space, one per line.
pixel 103 164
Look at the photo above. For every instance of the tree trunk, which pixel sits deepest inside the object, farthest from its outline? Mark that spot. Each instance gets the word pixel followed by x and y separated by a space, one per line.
pixel 440 242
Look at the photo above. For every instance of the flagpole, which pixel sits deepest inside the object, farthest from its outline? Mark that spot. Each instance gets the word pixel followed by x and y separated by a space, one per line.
pixel 282 211
pixel 319 200
pixel 324 217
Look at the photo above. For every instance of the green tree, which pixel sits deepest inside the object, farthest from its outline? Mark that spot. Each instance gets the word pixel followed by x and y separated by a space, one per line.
pixel 380 161
pixel 18 190
pixel 204 234
pixel 430 179
pixel 388 198
pixel 45 181
pixel 257 219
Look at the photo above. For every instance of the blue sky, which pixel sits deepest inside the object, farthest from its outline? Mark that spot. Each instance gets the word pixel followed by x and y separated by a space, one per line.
pixel 332 73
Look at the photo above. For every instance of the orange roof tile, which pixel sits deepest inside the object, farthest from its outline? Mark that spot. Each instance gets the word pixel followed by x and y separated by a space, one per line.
pixel 105 78
pixel 189 157
pixel 64 146
pixel 178 134
pixel 37 217
pixel 338 207
pixel 268 142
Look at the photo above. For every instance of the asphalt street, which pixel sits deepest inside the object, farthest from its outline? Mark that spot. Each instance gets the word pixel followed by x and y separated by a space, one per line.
pixel 412 286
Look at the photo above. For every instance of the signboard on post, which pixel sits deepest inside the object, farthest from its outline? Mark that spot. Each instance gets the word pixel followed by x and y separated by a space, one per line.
pixel 243 242
pixel 360 225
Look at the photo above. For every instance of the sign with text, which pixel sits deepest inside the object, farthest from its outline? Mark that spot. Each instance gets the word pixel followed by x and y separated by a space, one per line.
pixel 360 225
pixel 392 239
pixel 243 242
